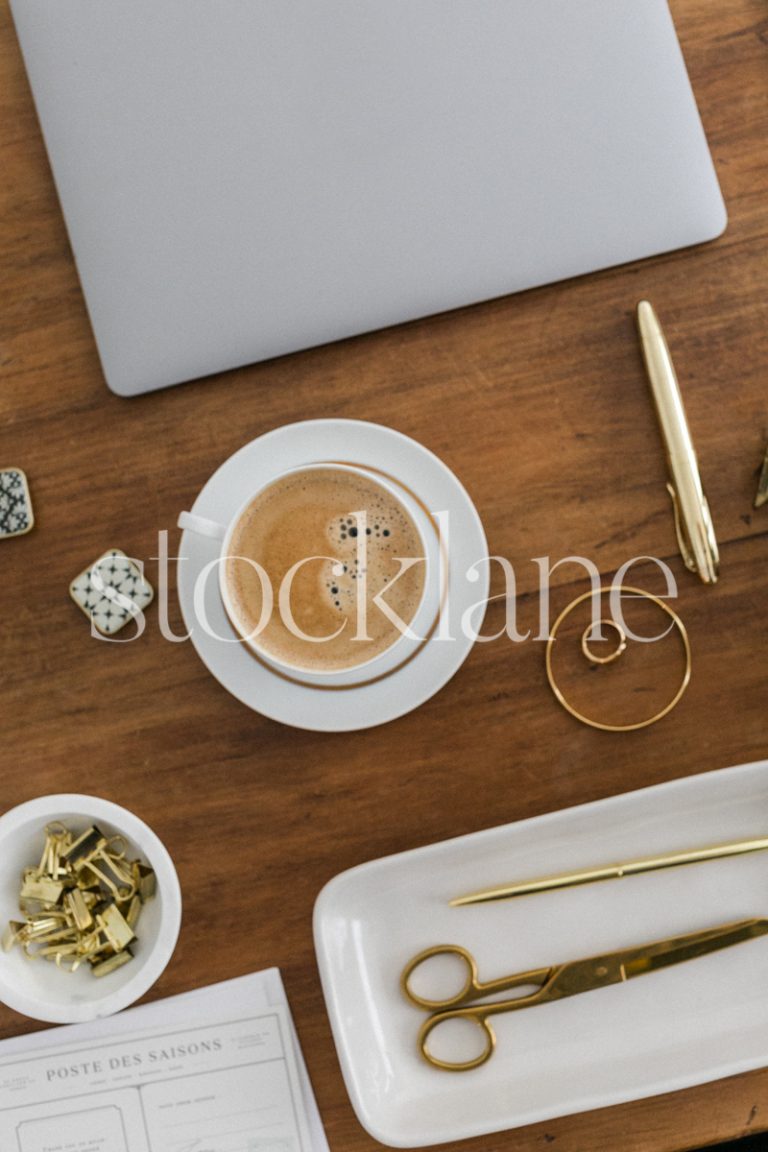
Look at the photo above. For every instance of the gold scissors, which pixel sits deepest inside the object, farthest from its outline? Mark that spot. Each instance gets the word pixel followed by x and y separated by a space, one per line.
pixel 554 983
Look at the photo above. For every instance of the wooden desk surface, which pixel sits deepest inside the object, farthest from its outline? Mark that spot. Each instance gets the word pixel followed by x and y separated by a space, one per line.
pixel 540 405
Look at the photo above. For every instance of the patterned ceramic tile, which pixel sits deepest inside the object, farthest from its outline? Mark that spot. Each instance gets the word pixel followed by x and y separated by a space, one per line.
pixel 16 516
pixel 111 591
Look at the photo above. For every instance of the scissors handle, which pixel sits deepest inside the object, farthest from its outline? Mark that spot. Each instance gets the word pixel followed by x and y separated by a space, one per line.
pixel 461 1005
pixel 473 988
pixel 472 1015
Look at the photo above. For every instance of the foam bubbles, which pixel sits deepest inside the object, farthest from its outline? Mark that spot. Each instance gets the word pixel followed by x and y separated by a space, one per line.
pixel 381 533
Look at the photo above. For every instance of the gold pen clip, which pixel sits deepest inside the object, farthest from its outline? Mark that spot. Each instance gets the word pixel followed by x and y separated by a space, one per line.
pixel 684 540
pixel 693 521
pixel 762 485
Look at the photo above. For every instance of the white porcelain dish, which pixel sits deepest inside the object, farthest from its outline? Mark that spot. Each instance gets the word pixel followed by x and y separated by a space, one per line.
pixel 38 989
pixel 685 1025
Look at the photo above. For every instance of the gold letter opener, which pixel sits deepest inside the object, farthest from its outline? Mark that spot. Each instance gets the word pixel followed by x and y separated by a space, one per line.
pixel 612 871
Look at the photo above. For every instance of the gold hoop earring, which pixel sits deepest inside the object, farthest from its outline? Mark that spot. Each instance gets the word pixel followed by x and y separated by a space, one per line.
pixel 620 648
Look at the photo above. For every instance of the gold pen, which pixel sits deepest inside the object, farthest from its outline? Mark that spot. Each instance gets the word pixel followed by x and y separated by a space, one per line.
pixel 693 523
pixel 612 871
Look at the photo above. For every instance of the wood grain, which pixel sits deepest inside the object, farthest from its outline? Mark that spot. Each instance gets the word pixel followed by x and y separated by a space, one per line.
pixel 539 403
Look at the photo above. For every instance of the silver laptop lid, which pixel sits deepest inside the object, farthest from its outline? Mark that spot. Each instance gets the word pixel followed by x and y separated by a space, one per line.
pixel 244 178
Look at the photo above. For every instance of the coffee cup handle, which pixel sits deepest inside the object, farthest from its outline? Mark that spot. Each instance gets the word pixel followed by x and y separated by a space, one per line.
pixel 200 525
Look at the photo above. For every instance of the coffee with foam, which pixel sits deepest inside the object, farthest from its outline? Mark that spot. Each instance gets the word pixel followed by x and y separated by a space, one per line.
pixel 341 539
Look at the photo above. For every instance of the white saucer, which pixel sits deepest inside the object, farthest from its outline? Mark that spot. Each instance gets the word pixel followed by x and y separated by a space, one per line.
pixel 300 705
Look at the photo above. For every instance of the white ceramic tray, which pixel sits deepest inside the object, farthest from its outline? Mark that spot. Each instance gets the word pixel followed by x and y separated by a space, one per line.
pixel 684 1025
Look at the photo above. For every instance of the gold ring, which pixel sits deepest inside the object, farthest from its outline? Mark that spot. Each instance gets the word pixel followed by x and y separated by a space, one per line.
pixel 620 647
pixel 635 592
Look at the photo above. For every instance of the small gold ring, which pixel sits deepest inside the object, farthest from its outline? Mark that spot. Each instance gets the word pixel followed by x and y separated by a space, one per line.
pixel 55 830
pixel 600 592
pixel 112 850
pixel 620 647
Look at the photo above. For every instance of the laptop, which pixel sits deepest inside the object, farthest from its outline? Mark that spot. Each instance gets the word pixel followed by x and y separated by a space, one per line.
pixel 245 178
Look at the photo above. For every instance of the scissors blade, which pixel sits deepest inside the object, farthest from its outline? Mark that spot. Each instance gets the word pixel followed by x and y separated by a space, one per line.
pixel 638 961
pixel 616 967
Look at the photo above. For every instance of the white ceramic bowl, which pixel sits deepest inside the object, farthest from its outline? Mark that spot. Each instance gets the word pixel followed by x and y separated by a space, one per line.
pixel 38 988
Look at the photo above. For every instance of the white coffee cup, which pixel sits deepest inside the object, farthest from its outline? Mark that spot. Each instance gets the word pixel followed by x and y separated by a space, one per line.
pixel 400 650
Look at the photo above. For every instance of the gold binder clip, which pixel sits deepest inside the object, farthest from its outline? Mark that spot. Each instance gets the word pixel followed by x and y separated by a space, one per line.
pixel 84 847
pixel 103 967
pixel 114 928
